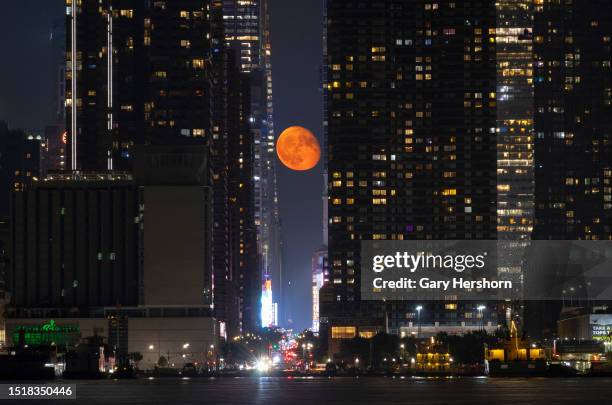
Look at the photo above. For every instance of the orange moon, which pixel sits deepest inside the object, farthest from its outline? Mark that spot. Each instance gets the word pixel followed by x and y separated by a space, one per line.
pixel 298 149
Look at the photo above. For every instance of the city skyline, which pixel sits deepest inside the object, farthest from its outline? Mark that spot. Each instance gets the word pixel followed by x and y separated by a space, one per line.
pixel 426 167
pixel 297 262
pixel 238 201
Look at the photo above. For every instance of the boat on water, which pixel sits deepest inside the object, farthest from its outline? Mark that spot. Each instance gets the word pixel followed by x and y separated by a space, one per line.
pixel 518 357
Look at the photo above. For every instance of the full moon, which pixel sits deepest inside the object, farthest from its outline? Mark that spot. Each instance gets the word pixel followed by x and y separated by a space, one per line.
pixel 298 149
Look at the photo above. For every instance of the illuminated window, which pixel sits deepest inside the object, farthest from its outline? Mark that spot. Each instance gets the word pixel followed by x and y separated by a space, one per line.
pixel 343 332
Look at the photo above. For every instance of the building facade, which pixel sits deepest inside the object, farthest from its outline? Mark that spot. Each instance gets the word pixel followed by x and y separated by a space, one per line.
pixel 573 130
pixel 160 73
pixel 21 157
pixel 125 257
pixel 411 142
pixel 515 137
pixel 74 245
pixel 320 277
pixel 247 32
pixel 137 72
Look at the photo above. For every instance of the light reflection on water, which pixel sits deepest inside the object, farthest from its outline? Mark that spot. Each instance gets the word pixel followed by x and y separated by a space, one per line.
pixel 370 391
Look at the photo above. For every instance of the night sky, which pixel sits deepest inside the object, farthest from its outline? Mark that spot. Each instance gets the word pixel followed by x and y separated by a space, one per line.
pixel 28 92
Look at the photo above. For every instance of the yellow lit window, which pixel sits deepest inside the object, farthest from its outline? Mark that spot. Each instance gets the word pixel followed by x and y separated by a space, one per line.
pixel 343 332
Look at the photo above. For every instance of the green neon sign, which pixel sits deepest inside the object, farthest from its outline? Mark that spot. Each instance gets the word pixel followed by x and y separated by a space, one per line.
pixel 46 334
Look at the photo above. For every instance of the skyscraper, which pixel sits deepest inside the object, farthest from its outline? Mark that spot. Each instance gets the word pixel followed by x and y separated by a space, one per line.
pixel 136 73
pixel 247 32
pixel 573 130
pixel 160 73
pixel 515 161
pixel 573 101
pixel 411 145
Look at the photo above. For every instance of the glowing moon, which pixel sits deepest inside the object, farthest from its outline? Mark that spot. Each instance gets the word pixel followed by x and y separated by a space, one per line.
pixel 298 149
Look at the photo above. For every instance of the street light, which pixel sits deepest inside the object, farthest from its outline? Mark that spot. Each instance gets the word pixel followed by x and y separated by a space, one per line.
pixel 151 347
pixel 186 345
pixel 481 308
pixel 419 308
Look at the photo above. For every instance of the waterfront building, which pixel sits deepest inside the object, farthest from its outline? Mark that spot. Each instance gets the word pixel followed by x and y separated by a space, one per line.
pixel 573 131
pixel 412 148
pixel 515 137
pixel 124 256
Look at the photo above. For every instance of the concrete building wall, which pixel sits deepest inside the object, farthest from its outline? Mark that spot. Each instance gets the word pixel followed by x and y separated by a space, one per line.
pixel 177 245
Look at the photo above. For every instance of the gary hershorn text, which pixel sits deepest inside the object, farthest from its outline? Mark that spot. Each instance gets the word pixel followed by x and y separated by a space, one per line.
pixel 405 283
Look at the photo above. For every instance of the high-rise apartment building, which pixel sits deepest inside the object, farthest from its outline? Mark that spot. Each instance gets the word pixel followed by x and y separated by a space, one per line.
pixel 515 160
pixel 412 148
pixel 160 73
pixel 236 270
pixel 137 72
pixel 573 101
pixel 515 119
pixel 573 130
pixel 247 32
